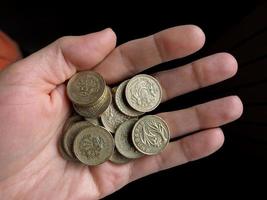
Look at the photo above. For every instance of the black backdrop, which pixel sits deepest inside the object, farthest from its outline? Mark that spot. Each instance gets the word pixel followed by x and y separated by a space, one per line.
pixel 241 29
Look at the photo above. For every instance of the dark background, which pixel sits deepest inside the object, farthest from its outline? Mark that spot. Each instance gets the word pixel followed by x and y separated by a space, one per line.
pixel 239 28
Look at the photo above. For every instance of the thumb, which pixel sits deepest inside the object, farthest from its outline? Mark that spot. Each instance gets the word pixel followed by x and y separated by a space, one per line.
pixel 57 62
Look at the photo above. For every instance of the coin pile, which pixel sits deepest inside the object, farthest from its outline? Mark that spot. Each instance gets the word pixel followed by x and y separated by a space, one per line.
pixel 109 123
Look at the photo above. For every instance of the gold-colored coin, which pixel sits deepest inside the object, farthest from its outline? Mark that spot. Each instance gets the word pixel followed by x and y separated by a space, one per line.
pixel 63 153
pixel 97 109
pixel 113 90
pixel 123 140
pixel 85 88
pixel 112 118
pixel 70 134
pixel 71 120
pixel 117 110
pixel 121 101
pixel 143 93
pixel 95 121
pixel 117 158
pixel 93 145
pixel 150 134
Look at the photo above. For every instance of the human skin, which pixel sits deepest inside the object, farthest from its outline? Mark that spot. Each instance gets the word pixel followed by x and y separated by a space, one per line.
pixel 34 107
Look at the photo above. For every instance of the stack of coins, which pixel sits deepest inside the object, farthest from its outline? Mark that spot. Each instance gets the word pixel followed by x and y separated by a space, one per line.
pixel 110 124
pixel 89 94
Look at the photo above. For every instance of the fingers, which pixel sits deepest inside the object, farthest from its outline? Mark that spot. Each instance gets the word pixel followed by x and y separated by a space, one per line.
pixel 57 62
pixel 87 51
pixel 138 55
pixel 179 152
pixel 208 115
pixel 195 146
pixel 198 74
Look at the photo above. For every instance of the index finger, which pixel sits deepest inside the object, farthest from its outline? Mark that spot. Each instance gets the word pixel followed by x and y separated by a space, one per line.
pixel 137 55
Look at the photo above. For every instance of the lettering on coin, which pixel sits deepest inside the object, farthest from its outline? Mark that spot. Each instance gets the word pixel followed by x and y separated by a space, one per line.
pixel 143 93
pixel 150 135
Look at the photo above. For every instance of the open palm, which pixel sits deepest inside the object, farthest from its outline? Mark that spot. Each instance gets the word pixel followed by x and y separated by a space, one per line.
pixel 34 107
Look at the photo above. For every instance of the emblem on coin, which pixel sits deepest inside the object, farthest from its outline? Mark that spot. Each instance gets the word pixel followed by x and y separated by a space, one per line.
pixel 93 145
pixel 150 135
pixel 143 93
pixel 112 118
pixel 70 135
pixel 85 88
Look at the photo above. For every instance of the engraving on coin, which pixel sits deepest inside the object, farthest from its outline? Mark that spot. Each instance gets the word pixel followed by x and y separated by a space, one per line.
pixel 70 135
pixel 123 140
pixel 121 102
pixel 117 158
pixel 112 118
pixel 97 144
pixel 143 93
pixel 85 88
pixel 93 145
pixel 150 135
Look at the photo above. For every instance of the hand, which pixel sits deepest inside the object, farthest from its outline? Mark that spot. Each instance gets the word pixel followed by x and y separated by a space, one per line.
pixel 34 107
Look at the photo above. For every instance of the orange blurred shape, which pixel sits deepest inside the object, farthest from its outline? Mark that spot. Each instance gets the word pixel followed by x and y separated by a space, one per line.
pixel 9 50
